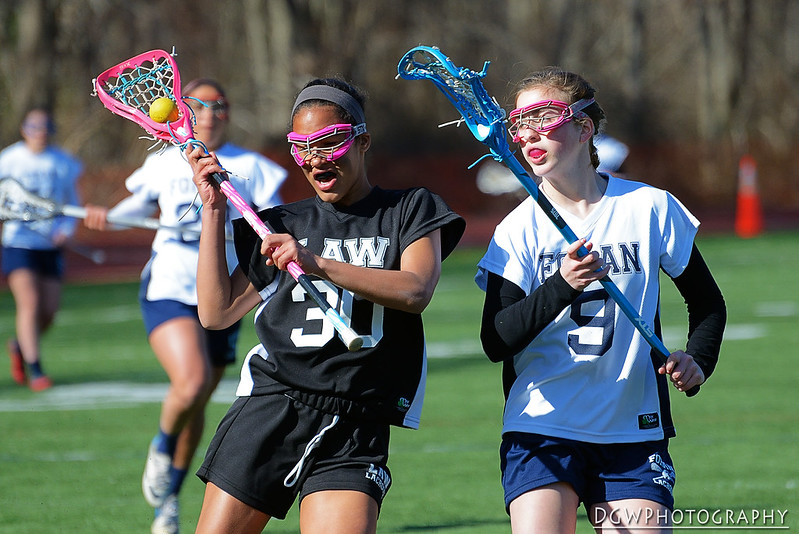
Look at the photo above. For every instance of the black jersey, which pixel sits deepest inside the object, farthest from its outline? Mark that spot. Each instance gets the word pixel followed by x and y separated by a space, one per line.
pixel 300 351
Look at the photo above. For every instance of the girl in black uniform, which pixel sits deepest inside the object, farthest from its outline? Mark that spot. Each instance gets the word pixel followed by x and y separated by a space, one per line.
pixel 312 419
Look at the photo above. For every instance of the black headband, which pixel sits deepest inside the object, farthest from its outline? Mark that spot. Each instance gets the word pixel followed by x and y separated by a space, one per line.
pixel 331 94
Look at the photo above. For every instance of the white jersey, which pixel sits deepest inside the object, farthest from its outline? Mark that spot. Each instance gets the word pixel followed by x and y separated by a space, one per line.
pixel 588 375
pixel 51 174
pixel 164 182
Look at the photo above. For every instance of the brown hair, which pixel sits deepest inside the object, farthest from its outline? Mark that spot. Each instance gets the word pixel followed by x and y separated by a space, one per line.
pixel 200 82
pixel 576 88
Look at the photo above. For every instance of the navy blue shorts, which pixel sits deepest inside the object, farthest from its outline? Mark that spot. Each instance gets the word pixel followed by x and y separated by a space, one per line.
pixel 221 343
pixel 47 263
pixel 597 472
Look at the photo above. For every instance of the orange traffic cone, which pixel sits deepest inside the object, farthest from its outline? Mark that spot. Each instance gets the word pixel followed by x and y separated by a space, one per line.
pixel 748 216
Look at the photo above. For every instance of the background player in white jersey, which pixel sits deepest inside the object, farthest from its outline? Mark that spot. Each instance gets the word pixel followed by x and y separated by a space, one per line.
pixel 587 415
pixel 312 419
pixel 32 258
pixel 193 358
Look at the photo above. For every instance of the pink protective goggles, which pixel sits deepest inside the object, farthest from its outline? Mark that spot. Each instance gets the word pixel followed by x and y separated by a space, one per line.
pixel 545 116
pixel 306 147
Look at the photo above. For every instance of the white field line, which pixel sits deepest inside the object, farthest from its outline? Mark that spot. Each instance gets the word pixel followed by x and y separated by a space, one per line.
pixel 777 309
pixel 111 315
pixel 114 395
pixel 677 336
pixel 104 395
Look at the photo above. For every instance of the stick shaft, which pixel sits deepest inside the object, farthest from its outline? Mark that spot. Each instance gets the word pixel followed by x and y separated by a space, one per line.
pixel 133 222
pixel 350 338
pixel 568 234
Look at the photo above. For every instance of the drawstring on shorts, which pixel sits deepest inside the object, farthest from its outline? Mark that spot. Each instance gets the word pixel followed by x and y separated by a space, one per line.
pixel 294 474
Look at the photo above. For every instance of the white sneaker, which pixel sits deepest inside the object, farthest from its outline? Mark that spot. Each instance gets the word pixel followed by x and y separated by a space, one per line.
pixel 166 517
pixel 155 480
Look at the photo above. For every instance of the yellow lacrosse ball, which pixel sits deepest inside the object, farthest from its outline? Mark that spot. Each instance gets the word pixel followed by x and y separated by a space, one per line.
pixel 164 110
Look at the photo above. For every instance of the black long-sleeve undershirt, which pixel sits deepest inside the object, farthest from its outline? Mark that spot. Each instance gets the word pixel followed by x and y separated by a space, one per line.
pixel 511 319
pixel 707 312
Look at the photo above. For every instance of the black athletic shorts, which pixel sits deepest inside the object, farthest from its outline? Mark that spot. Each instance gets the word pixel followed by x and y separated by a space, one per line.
pixel 261 444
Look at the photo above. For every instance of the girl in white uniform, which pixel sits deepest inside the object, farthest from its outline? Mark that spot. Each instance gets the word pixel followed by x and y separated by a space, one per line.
pixel 32 259
pixel 194 358
pixel 587 414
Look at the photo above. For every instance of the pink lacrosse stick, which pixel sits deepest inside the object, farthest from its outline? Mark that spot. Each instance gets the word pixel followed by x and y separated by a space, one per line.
pixel 130 88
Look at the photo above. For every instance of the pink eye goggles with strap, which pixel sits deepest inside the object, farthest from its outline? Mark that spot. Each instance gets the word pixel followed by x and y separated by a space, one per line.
pixel 545 116
pixel 305 147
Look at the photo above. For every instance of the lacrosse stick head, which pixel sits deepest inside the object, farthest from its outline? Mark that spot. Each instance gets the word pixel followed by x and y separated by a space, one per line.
pixel 130 88
pixel 463 87
pixel 19 204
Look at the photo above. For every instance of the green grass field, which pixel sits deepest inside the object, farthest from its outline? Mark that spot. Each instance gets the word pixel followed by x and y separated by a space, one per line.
pixel 71 457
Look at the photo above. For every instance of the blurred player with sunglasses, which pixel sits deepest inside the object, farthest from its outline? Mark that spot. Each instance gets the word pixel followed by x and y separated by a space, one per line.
pixel 193 357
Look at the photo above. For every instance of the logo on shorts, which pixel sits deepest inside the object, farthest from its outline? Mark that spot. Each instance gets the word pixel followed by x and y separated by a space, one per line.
pixel 379 476
pixel 648 420
pixel 667 475
pixel 403 404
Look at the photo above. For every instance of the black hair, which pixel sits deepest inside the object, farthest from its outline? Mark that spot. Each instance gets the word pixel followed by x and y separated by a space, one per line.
pixel 336 83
